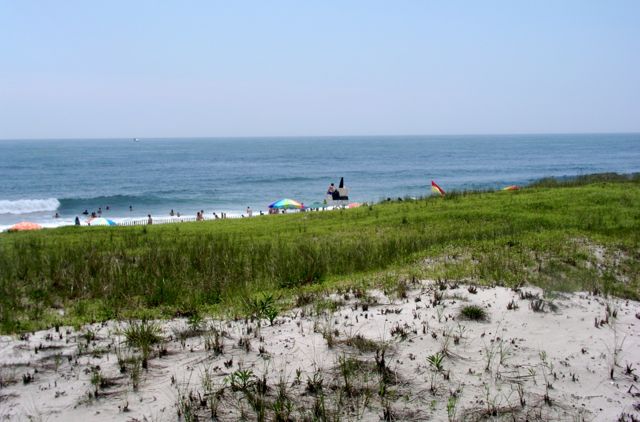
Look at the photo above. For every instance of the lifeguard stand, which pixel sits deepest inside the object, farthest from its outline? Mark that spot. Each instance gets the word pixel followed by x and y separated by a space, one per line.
pixel 340 196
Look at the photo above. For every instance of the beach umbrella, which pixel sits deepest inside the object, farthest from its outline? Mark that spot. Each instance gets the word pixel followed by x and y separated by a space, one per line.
pixel 24 226
pixel 286 203
pixel 512 187
pixel 101 221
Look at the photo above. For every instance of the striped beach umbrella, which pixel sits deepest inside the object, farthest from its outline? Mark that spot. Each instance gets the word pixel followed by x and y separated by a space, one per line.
pixel 101 221
pixel 512 187
pixel 286 203
pixel 23 226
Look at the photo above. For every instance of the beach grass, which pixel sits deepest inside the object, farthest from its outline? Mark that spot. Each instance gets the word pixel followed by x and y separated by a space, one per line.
pixel 582 234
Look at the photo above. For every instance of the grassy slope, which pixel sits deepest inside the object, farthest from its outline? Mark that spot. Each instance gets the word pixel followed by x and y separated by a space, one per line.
pixel 544 236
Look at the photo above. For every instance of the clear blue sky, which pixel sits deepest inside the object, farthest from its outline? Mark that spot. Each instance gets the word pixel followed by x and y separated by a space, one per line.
pixel 262 68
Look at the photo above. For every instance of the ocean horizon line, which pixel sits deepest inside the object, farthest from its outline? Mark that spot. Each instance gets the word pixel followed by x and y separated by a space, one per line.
pixel 297 137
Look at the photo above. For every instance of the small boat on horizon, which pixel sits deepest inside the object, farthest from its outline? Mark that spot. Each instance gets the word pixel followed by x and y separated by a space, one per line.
pixel 136 139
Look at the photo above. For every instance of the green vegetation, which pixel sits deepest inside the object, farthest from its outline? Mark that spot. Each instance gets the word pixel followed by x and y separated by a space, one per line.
pixel 473 313
pixel 582 235
pixel 143 335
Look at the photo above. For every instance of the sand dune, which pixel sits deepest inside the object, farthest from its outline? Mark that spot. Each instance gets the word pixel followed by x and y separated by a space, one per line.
pixel 404 355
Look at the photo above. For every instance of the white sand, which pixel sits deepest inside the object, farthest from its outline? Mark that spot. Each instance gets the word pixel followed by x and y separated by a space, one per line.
pixel 530 350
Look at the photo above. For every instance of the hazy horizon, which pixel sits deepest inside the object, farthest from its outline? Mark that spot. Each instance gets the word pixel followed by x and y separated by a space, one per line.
pixel 285 69
pixel 297 137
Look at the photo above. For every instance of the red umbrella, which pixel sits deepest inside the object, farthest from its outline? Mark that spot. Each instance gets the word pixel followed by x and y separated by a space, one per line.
pixel 24 226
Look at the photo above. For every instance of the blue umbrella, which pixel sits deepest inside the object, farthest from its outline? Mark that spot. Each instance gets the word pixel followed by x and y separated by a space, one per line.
pixel 101 221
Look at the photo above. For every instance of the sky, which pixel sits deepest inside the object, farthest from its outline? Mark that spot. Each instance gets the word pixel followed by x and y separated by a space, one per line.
pixel 74 69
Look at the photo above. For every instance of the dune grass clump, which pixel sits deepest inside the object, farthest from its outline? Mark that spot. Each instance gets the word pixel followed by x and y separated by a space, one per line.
pixel 473 313
pixel 363 344
pixel 143 335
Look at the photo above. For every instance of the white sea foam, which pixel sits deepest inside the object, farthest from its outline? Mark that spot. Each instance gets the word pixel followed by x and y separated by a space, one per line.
pixel 26 206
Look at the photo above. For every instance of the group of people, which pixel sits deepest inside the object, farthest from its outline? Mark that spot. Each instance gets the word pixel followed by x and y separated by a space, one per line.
pixel 94 214
pixel 200 215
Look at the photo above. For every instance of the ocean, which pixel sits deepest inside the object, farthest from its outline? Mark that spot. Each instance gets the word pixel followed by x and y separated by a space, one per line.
pixel 41 177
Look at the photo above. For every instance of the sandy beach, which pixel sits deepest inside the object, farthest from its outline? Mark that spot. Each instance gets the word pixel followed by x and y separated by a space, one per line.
pixel 407 354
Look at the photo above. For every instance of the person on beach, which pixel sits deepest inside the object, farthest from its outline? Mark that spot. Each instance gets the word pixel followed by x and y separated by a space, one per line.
pixel 178 214
pixel 100 210
pixel 199 216
pixel 215 216
pixel 56 216
pixel 149 219
pixel 331 189
pixel 130 208
pixel 108 208
pixel 93 214
pixel 85 212
pixel 77 222
pixel 171 213
pixel 249 212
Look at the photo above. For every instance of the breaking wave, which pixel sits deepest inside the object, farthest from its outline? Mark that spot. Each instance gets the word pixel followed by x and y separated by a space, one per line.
pixel 26 206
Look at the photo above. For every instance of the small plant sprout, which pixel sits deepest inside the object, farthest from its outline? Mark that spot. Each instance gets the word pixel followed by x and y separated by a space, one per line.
pixel 437 298
pixel 241 380
pixel 399 331
pixel 213 342
pixel 629 370
pixel 271 313
pixel 537 305
pixel 347 367
pixel 195 321
pixel 245 343
pixel 402 289
pixel 262 307
pixel 452 407
pixel 314 383
pixel 134 373
pixel 436 361
pixel 528 295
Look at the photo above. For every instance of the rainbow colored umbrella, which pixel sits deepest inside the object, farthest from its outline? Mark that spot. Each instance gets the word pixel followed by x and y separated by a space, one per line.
pixel 23 226
pixel 512 187
pixel 101 221
pixel 286 203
